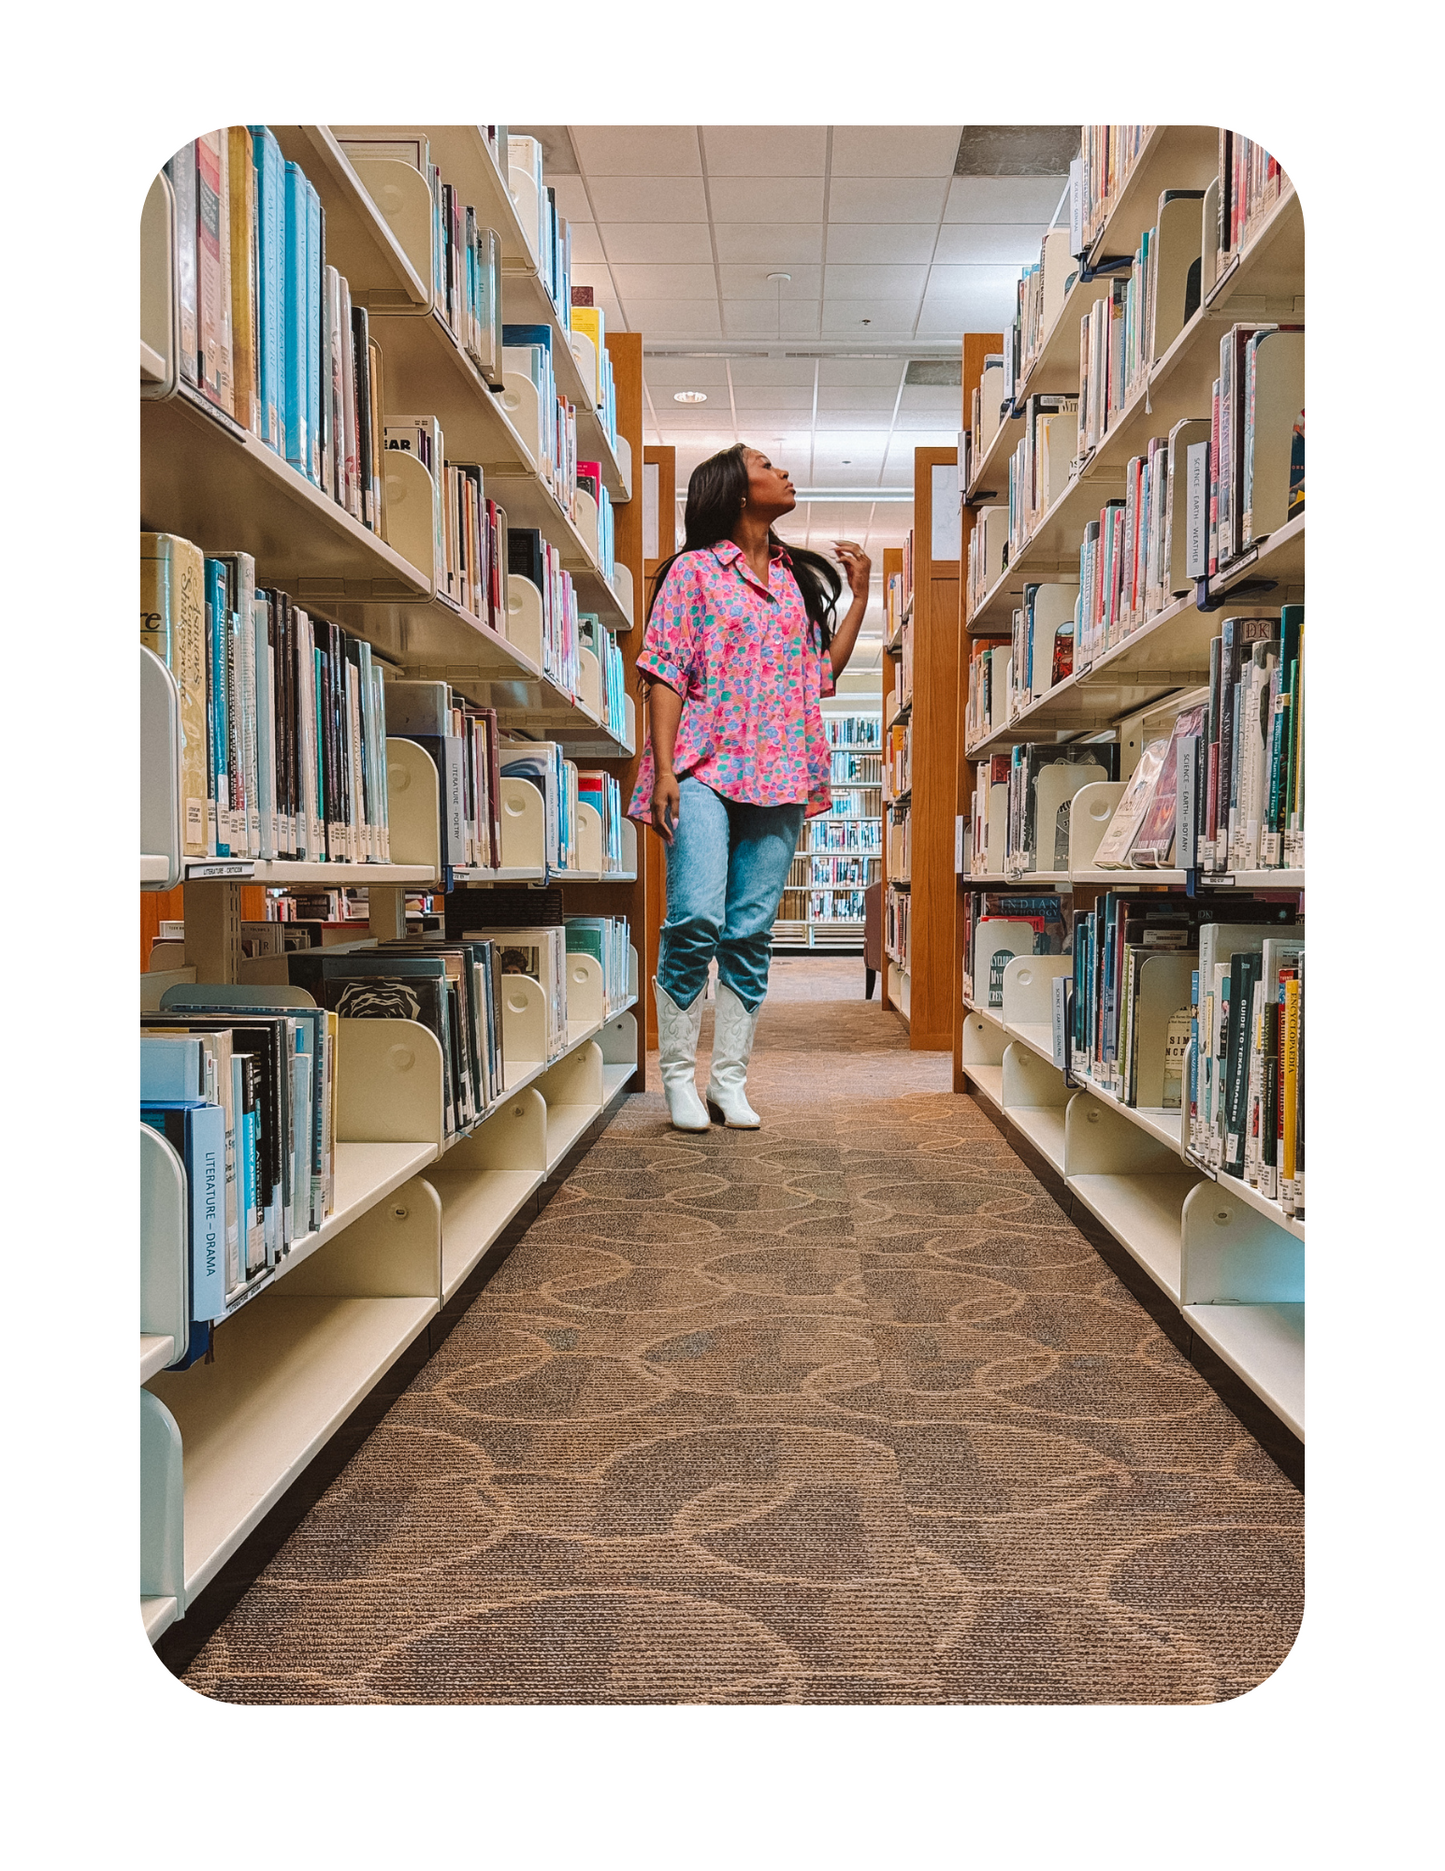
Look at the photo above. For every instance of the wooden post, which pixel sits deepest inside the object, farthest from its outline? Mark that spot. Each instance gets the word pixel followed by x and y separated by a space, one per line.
pixel 936 713
pixel 892 675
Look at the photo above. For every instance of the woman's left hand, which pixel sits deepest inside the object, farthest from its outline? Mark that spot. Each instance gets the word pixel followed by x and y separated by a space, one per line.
pixel 857 566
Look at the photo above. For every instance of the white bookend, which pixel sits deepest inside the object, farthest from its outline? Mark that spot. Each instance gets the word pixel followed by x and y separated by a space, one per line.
pixel 1060 780
pixel 1277 388
pixel 162 1496
pixel 997 828
pixel 1058 263
pixel 1163 994
pixel 990 404
pixel 1178 240
pixel 524 826
pixel 997 940
pixel 1089 815
pixel 524 618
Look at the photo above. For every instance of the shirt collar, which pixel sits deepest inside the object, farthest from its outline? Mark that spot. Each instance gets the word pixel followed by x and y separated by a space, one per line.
pixel 729 552
pixel 726 550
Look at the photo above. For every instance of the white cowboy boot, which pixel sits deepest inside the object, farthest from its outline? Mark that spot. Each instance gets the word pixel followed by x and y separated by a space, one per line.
pixel 732 1046
pixel 677 1031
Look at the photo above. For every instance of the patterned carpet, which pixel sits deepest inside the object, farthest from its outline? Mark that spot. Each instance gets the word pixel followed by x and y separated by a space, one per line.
pixel 841 1411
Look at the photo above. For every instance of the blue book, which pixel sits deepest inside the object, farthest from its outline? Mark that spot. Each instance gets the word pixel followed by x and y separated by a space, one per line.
pixel 298 439
pixel 314 272
pixel 172 1070
pixel 218 643
pixel 197 1132
pixel 516 335
pixel 270 283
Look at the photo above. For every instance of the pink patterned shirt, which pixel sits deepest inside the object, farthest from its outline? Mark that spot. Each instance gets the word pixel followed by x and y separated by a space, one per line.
pixel 747 665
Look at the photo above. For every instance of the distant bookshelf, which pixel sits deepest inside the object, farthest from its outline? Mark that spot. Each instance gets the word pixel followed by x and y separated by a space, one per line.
pixel 839 852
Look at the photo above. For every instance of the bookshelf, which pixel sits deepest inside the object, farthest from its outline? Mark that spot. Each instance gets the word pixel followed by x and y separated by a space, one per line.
pixel 1229 1257
pixel 418 1211
pixel 840 851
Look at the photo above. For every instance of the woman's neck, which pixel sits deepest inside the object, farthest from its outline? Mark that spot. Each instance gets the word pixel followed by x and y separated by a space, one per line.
pixel 751 533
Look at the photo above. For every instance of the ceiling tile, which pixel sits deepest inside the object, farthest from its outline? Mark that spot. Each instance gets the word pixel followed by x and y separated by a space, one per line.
pixel 665 282
pixel 928 428
pixel 856 397
pixel 1004 197
pixel 990 242
pixel 765 396
pixel 964 282
pixel 874 282
pixel 757 318
pixel 667 374
pixel 586 249
pixel 647 198
pixel 911 149
pixel 794 370
pixel 935 397
pixel 751 282
pixel 571 197
pixel 772 198
pixel 647 149
pixel 859 422
pixel 771 150
pixel 886 318
pixel 786 243
pixel 659 319
pixel 875 198
pixel 880 243
pixel 877 371
pixel 657 243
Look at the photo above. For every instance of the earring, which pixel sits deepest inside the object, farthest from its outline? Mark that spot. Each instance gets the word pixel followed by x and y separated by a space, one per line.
pixel 745 500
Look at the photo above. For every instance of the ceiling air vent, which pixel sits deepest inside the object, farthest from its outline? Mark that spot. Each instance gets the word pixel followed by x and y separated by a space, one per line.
pixel 935 373
pixel 1016 149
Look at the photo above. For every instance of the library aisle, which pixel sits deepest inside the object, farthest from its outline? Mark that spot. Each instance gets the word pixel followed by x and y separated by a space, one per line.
pixel 845 1410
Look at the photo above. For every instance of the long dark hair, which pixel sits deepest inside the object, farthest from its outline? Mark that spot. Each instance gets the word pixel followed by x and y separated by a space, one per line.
pixel 715 494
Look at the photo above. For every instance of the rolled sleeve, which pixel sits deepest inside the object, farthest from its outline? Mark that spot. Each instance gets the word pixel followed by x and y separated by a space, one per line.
pixel 670 640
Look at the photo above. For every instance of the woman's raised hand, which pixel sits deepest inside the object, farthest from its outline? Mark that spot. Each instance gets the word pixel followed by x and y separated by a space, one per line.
pixel 857 566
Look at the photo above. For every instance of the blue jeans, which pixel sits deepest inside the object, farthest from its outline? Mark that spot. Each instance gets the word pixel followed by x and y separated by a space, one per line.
pixel 726 868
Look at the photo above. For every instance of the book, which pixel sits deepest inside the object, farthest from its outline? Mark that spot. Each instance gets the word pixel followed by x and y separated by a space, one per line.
pixel 181 169
pixel 539 952
pixel 244 254
pixel 196 1131
pixel 1154 842
pixel 213 269
pixel 173 627
pixel 1113 852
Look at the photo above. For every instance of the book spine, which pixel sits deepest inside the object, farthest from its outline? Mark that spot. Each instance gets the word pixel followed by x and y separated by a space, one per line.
pixel 1289 1051
pixel 264 660
pixel 182 171
pixel 213 311
pixel 295 390
pixel 245 299
pixel 206 1173
pixel 315 339
pixel 217 643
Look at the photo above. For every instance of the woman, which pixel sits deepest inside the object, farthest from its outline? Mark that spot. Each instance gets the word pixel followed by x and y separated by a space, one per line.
pixel 739 649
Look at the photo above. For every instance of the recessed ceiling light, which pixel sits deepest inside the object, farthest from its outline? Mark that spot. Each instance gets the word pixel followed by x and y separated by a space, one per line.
pixel 689 396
